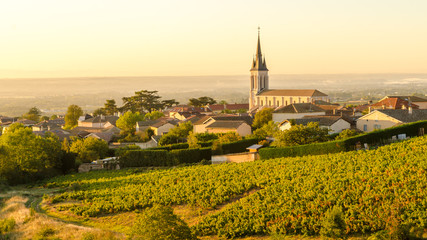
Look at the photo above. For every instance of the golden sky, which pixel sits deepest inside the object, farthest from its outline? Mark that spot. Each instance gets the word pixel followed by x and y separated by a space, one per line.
pixel 63 38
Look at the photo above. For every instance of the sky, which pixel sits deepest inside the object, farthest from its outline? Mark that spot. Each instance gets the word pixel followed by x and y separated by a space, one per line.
pixel 82 38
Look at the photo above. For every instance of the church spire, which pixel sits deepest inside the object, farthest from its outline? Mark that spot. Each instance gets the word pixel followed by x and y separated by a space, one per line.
pixel 259 63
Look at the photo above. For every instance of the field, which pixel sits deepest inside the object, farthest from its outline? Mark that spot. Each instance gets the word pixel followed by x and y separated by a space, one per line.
pixel 372 190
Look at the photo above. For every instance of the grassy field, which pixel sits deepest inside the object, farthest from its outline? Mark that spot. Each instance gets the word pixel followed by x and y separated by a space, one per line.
pixel 383 189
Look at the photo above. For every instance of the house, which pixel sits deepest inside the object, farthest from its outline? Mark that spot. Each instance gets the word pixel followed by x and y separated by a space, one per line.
pixel 98 122
pixel 201 125
pixel 154 142
pixel 393 103
pixel 84 131
pixel 385 118
pixel 106 136
pixel 219 108
pixel 60 133
pixel 25 122
pixel 262 96
pixel 182 112
pixel 159 126
pixel 420 102
pixel 221 126
pixel 45 126
pixel 295 111
pixel 335 124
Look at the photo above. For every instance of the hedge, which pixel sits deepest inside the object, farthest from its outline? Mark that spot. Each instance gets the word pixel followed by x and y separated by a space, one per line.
pixel 372 138
pixel 238 146
pixel 162 158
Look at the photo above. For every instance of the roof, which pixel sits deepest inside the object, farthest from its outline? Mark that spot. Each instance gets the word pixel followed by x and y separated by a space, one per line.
pixel 106 136
pixel 259 63
pixel 325 120
pixel 157 123
pixel 102 119
pixel 299 108
pixel 410 98
pixel 292 92
pixel 226 124
pixel 393 103
pixel 46 124
pixel 403 114
pixel 235 106
pixel 255 146
pixel 246 119
pixel 26 122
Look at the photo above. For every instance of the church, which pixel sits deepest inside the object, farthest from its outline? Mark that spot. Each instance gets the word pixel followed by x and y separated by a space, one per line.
pixel 262 96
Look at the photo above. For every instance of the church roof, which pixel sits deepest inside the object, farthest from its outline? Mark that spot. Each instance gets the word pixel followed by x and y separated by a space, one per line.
pixel 293 92
pixel 259 62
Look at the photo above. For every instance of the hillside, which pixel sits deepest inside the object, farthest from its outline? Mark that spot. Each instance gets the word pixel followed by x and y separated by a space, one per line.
pixel 372 190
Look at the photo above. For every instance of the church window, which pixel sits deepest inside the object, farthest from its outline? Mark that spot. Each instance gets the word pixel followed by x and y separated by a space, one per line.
pixel 269 103
pixel 278 103
pixel 262 103
pixel 299 100
pixel 286 103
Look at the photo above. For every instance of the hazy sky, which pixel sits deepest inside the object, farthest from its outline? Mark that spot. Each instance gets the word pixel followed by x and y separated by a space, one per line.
pixel 53 38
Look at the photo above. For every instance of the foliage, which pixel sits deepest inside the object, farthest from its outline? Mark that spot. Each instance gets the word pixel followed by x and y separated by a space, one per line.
pixel 346 133
pixel 53 117
pixel 44 118
pixel 229 137
pixel 110 107
pixel 145 101
pixel 205 137
pixel 33 114
pixel 267 130
pixel 89 149
pixel 121 150
pixel 193 141
pixel 300 135
pixel 72 116
pixel 159 222
pixel 293 194
pixel 262 117
pixel 333 224
pixel 201 101
pixel 176 134
pixel 154 115
pixel 25 156
pixel 169 103
pixel 7 225
pixel 127 122
pixel 98 112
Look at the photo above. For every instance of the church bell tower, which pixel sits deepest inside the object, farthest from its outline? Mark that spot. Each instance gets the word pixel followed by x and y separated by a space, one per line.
pixel 259 75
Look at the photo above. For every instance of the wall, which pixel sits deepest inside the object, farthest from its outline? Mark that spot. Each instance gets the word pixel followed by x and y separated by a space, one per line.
pixel 375 118
pixel 163 129
pixel 235 158
pixel 339 125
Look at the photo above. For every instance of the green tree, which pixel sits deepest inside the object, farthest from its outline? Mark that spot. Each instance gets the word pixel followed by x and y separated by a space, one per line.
pixel 201 101
pixel 154 115
pixel 33 114
pixel 300 135
pixel 159 222
pixel 127 122
pixel 142 101
pixel 262 117
pixel 53 117
pixel 346 133
pixel 44 118
pixel 229 137
pixel 192 140
pixel 177 134
pixel 99 112
pixel 72 116
pixel 169 103
pixel 267 130
pixel 25 156
pixel 89 149
pixel 110 107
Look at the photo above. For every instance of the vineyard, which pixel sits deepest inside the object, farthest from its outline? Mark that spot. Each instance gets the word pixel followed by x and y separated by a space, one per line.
pixel 371 188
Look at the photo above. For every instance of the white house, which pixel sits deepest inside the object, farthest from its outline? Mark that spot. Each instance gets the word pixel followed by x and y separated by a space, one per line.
pixel 295 111
pixel 335 124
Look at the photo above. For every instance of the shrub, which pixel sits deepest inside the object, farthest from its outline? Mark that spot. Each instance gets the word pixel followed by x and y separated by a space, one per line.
pixel 159 222
pixel 146 158
pixel 333 224
pixel 7 225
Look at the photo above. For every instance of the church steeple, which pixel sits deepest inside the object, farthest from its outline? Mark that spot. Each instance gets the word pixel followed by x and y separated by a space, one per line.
pixel 259 63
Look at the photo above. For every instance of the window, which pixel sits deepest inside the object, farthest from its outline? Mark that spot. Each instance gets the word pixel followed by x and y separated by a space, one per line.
pixel 278 103
pixel 269 103
pixel 377 126
pixel 262 103
pixel 286 103
pixel 365 127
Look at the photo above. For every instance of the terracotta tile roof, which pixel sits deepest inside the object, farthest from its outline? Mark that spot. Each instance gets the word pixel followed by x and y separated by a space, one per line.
pixel 235 106
pixel 410 98
pixel 226 124
pixel 393 103
pixel 299 108
pixel 293 92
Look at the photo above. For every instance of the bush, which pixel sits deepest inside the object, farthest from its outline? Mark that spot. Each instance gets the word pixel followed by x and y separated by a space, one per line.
pixel 159 222
pixel 146 158
pixel 333 224
pixel 7 225
pixel 239 146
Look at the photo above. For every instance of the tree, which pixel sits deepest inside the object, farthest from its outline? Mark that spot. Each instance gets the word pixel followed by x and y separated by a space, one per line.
pixel 44 118
pixel 300 135
pixel 33 114
pixel 110 107
pixel 142 101
pixel 127 122
pixel 177 134
pixel 229 137
pixel 223 102
pixel 89 149
pixel 192 140
pixel 154 115
pixel 262 117
pixel 99 112
pixel 201 101
pixel 53 117
pixel 159 222
pixel 169 103
pixel 346 133
pixel 267 130
pixel 72 116
pixel 26 157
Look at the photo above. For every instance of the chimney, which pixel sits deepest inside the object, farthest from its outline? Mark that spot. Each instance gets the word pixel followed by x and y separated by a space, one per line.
pixel 369 109
pixel 383 106
pixel 334 111
pixel 409 109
